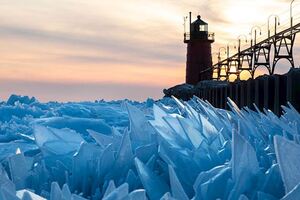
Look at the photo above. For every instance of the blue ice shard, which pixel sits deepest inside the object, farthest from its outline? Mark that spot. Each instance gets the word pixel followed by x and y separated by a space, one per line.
pixel 7 187
pixel 167 196
pixel 132 180
pixel 56 193
pixel 57 141
pixel 66 192
pixel 102 139
pixel 5 182
pixel 124 157
pixel 245 165
pixel 138 195
pixel 107 161
pixel 155 186
pixel 6 194
pixel 119 193
pixel 194 136
pixel 271 182
pixel 78 124
pixel 288 156
pixel 214 187
pixel 243 157
pixel 265 196
pixel 293 194
pixel 144 153
pixel 19 168
pixel 176 187
pixel 110 188
pixel 139 122
pixel 85 163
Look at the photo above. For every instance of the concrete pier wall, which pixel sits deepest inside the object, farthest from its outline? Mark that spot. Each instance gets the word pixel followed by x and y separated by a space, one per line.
pixel 266 92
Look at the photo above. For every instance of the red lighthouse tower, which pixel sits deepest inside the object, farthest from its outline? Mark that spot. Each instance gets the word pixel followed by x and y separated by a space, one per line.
pixel 199 58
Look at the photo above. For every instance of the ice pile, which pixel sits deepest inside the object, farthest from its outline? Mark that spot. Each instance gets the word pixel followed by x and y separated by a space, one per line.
pixel 168 150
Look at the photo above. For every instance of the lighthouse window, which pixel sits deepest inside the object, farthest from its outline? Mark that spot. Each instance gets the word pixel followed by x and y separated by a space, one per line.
pixel 202 28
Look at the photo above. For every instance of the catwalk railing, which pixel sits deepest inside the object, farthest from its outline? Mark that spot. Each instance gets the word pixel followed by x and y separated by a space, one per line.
pixel 265 50
pixel 259 55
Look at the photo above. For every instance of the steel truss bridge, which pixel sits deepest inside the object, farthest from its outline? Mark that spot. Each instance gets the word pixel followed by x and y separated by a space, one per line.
pixel 267 52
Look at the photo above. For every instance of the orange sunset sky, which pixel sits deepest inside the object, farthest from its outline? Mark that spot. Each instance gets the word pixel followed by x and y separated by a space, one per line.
pixel 75 50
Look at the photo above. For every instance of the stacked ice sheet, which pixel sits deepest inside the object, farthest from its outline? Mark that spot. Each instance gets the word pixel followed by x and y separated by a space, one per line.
pixel 168 150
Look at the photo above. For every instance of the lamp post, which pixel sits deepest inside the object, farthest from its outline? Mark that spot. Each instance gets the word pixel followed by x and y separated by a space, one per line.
pixel 215 68
pixel 219 55
pixel 228 49
pixel 291 12
pixel 239 48
pixel 254 28
pixel 277 22
pixel 239 41
pixel 219 58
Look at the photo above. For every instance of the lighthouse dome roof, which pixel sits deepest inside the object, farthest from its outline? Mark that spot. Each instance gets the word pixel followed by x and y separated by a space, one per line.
pixel 199 21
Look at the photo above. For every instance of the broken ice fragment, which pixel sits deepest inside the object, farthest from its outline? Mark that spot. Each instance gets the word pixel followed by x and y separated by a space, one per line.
pixel 154 185
pixel 138 195
pixel 139 122
pixel 243 157
pixel 167 196
pixel 288 156
pixel 176 187
pixel 111 187
pixel 56 193
pixel 6 194
pixel 118 194
pixel 25 194
pixel 57 141
pixel 293 194
pixel 101 139
pixel 19 168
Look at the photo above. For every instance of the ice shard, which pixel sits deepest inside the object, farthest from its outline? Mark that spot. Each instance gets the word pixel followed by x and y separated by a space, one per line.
pixel 243 157
pixel 19 168
pixel 138 122
pixel 111 187
pixel 138 195
pixel 57 141
pixel 288 156
pixel 102 139
pixel 245 166
pixel 155 186
pixel 176 187
pixel 118 194
pixel 28 195
pixel 293 194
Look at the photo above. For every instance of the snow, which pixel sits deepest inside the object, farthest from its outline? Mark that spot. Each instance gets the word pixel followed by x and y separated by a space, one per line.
pixel 166 149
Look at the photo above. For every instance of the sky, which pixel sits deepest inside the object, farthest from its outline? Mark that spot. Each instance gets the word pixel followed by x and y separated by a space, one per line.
pixel 77 50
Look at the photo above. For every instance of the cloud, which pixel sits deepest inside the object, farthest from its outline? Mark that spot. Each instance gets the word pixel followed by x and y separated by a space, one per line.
pixel 138 42
pixel 132 50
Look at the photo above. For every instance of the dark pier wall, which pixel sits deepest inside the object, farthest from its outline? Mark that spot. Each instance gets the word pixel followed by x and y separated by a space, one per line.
pixel 266 92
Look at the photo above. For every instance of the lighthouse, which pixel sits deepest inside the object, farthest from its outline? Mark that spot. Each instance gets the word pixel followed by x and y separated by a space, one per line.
pixel 199 58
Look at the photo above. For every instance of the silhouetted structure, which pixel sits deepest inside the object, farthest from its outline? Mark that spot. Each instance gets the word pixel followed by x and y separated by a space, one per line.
pixel 259 54
pixel 199 56
pixel 266 92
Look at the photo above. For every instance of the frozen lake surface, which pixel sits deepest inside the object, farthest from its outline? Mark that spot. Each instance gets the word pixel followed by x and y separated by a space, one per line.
pixel 166 149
